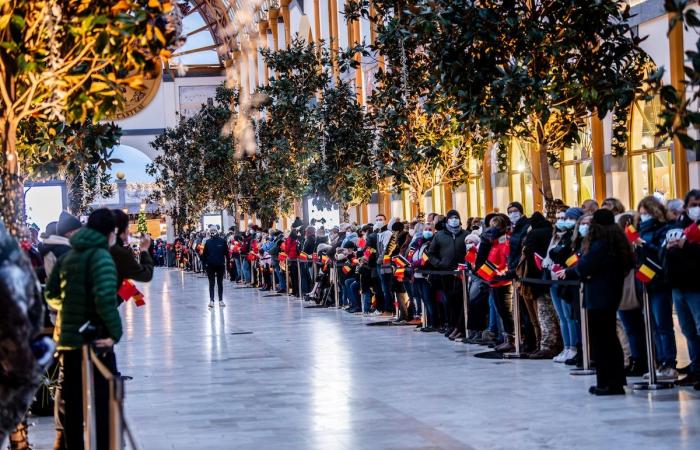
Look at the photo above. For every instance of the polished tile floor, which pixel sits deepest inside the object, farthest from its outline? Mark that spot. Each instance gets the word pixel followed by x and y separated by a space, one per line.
pixel 265 373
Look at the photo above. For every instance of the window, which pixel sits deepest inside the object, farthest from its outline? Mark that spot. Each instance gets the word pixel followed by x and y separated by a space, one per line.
pixel 520 174
pixel 475 189
pixel 650 170
pixel 577 170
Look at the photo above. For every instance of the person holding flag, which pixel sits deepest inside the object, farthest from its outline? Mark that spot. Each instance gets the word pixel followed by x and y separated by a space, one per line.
pixel 648 247
pixel 421 286
pixel 492 265
pixel 605 261
pixel 128 268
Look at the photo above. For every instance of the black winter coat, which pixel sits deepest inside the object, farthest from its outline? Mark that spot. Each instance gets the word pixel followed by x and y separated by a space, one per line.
pixel 516 244
pixel 447 250
pixel 602 274
pixel 215 252
pixel 536 241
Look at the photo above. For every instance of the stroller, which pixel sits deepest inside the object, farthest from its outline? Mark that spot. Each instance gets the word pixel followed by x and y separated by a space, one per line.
pixel 322 290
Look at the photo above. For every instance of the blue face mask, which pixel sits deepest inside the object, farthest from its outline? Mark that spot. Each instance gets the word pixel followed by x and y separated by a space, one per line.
pixel 644 217
pixel 583 229
pixel 427 234
pixel 565 224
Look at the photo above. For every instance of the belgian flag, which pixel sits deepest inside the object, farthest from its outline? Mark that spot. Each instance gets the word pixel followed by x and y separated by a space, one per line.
pixel 471 256
pixel 282 257
pixel 400 274
pixel 487 271
pixel 354 261
pixel 303 257
pixel 631 233
pixel 647 271
pixel 347 269
pixel 572 260
pixel 324 259
pixel 424 259
pixel 386 259
pixel 399 261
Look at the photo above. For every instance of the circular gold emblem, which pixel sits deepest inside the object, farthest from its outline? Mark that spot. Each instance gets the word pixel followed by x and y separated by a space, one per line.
pixel 135 100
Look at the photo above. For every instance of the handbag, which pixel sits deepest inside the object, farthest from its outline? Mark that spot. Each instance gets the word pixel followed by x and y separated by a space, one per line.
pixel 629 299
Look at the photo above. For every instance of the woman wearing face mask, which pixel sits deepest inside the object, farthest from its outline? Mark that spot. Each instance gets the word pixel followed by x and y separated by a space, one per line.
pixel 415 232
pixel 127 266
pixel 421 287
pixel 652 229
pixel 606 259
pixel 560 249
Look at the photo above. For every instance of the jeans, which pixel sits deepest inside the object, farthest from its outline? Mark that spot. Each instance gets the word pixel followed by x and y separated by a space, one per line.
pixel 281 280
pixel 413 297
pixel 502 298
pixel 633 323
pixel 495 326
pixel 246 271
pixel 570 330
pixel 661 303
pixel 239 268
pixel 386 280
pixel 216 274
pixel 421 289
pixel 688 310
pixel 352 292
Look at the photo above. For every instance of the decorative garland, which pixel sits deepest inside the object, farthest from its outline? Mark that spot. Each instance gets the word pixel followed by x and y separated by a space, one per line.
pixel 620 134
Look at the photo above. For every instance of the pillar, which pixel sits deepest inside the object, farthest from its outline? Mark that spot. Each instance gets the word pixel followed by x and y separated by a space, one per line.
pixel 272 22
pixel 680 158
pixel 536 168
pixel 598 158
pixel 488 185
pixel 287 22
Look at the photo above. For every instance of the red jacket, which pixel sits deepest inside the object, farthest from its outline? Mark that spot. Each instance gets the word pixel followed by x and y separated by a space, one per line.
pixel 291 248
pixel 498 256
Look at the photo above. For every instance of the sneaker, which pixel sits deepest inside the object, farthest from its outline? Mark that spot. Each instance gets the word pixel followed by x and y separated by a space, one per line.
pixel 222 304
pixel 667 374
pixel 211 304
pixel 376 312
pixel 561 357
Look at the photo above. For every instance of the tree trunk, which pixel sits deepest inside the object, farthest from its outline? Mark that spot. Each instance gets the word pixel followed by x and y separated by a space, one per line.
pixel 546 181
pixel 417 204
pixel 344 213
pixel 12 195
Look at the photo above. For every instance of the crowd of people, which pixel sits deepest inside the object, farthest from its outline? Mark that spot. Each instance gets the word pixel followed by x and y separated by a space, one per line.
pixel 414 272
pixel 411 272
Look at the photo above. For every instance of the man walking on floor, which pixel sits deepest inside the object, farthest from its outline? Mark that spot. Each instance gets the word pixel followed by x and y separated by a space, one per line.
pixel 214 259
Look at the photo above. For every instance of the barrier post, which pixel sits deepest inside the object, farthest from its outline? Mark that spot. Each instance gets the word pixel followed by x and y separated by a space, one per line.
pixel 89 430
pixel 585 346
pixel 241 276
pixel 273 275
pixel 334 268
pixel 516 324
pixel 465 299
pixel 652 384
pixel 286 277
pixel 116 394
pixel 300 294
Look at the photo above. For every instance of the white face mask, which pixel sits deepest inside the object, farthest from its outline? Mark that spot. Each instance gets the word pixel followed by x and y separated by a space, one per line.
pixel 378 224
pixel 514 217
pixel 561 224
pixel 644 217
pixel 694 213
pixel 583 229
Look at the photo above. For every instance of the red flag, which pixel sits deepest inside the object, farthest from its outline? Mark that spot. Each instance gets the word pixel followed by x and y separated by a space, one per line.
pixel 471 256
pixel 631 233
pixel 128 290
pixel 692 233
pixel 400 261
pixel 538 261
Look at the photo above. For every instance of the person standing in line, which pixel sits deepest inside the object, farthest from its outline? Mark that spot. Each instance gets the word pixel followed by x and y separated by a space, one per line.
pixel 605 261
pixel 214 259
pixel 83 288
pixel 127 265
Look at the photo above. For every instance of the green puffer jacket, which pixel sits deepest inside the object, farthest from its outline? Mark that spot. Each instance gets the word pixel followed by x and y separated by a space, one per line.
pixel 83 287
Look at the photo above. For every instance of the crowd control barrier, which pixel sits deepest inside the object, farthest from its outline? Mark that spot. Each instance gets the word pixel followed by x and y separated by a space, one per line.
pixel 118 426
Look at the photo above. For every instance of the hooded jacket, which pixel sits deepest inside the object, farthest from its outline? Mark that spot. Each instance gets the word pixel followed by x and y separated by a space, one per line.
pixel 52 249
pixel 447 250
pixel 83 287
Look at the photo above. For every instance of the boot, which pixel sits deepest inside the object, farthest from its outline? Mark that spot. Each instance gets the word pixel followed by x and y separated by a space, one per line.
pixel 507 345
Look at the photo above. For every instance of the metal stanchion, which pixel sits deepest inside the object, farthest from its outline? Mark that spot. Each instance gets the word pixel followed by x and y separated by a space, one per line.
pixel 653 384
pixel 334 268
pixel 516 324
pixel 286 277
pixel 89 430
pixel 241 276
pixel 299 290
pixel 585 346
pixel 465 299
pixel 273 275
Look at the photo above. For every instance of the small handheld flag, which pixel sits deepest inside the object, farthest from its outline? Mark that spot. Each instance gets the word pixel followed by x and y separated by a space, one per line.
pixel 538 261
pixel 347 269
pixel 647 271
pixel 303 257
pixel 386 259
pixel 400 274
pixel 572 260
pixel 424 259
pixel 400 261
pixel 631 233
pixel 487 271
pixel 471 256
pixel 128 290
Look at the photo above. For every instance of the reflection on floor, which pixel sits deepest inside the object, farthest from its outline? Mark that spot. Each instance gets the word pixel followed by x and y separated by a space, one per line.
pixel 320 379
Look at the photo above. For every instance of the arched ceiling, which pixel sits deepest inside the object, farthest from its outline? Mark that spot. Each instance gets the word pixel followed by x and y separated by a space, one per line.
pixel 207 27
